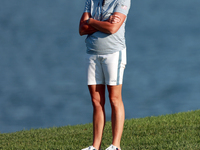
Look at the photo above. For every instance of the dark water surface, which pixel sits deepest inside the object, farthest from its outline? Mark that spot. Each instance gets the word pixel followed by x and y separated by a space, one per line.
pixel 42 74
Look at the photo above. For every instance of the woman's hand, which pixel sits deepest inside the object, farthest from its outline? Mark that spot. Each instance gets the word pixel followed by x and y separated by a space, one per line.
pixel 114 19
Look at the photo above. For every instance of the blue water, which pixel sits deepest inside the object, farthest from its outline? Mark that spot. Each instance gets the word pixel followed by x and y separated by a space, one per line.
pixel 42 71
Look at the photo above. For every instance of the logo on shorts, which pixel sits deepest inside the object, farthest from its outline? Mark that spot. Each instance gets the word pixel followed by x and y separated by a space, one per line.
pixel 113 80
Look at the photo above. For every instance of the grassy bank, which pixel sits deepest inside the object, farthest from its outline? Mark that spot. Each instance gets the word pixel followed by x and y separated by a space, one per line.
pixel 175 131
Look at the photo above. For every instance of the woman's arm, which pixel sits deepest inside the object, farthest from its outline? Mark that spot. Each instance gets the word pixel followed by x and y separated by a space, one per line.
pixel 110 26
pixel 84 28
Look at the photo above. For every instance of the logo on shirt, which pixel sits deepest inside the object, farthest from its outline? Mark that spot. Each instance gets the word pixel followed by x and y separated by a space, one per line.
pixel 124 7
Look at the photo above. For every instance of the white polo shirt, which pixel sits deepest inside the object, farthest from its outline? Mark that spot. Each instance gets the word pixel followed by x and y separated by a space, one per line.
pixel 100 43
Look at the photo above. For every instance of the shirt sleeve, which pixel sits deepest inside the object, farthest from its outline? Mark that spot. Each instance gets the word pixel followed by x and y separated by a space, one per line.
pixel 123 6
pixel 87 6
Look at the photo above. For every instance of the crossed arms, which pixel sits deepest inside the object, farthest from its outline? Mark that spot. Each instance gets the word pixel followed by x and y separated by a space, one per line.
pixel 89 25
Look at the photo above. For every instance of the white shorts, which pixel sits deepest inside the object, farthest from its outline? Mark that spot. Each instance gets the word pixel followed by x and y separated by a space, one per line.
pixel 106 69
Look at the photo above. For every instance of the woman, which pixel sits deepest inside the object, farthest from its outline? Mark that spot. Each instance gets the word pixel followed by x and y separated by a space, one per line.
pixel 103 21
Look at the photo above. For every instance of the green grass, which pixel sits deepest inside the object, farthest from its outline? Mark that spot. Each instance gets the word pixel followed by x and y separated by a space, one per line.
pixel 179 131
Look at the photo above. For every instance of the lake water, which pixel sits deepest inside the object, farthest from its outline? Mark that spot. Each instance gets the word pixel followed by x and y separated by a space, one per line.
pixel 42 71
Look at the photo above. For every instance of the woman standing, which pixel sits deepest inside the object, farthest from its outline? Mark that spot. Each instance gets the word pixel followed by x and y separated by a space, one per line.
pixel 103 21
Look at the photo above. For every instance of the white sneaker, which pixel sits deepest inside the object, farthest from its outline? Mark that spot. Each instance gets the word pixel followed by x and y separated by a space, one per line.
pixel 89 148
pixel 112 147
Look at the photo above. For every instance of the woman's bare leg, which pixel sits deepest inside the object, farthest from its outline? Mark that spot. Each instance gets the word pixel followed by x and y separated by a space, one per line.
pixel 118 113
pixel 97 93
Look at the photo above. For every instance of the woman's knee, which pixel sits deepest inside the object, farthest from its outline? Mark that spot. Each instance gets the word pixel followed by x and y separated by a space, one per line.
pixel 98 102
pixel 115 100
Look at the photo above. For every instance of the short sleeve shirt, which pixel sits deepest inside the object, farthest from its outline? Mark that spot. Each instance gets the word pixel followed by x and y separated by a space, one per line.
pixel 103 43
